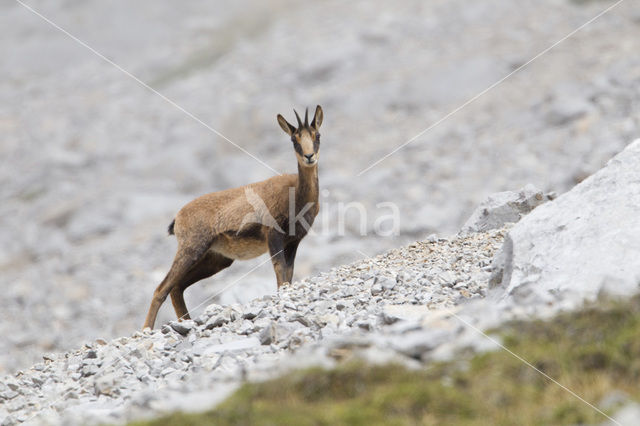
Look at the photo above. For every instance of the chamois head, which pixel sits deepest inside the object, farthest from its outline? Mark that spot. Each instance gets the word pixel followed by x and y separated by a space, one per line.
pixel 306 137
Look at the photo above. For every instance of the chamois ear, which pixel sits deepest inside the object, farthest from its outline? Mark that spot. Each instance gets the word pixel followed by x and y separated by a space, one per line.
pixel 317 119
pixel 284 124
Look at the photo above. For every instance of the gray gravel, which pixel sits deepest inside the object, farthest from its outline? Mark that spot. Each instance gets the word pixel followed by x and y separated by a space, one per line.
pixel 191 364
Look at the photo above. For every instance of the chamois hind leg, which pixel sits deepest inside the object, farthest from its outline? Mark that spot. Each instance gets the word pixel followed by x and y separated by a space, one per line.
pixel 185 259
pixel 210 264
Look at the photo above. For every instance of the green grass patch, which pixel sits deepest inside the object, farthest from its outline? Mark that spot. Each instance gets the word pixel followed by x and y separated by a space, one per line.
pixel 593 352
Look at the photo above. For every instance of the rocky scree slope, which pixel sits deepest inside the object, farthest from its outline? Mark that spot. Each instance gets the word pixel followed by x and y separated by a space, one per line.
pixel 191 364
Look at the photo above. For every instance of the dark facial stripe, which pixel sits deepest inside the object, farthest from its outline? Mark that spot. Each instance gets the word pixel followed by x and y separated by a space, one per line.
pixel 297 147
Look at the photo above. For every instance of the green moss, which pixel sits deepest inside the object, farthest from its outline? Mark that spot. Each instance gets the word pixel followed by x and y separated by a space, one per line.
pixel 593 352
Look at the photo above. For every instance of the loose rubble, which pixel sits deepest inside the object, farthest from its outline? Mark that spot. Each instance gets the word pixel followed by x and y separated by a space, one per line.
pixel 147 373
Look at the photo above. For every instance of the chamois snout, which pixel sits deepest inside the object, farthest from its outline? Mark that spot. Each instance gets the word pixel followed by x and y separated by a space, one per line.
pixel 306 147
pixel 309 158
pixel 305 137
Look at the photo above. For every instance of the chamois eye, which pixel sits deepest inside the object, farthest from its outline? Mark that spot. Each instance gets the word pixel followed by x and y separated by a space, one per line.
pixel 317 137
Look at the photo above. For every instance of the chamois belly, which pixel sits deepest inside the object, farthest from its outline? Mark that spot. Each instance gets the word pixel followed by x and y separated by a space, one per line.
pixel 240 248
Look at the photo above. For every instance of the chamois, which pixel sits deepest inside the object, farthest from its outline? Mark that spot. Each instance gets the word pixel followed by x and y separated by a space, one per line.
pixel 242 223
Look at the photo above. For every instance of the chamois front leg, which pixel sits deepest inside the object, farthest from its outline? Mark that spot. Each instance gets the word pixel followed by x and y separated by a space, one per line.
pixel 276 251
pixel 290 257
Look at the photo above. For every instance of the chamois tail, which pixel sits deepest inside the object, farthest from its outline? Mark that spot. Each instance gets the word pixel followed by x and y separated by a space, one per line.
pixel 171 225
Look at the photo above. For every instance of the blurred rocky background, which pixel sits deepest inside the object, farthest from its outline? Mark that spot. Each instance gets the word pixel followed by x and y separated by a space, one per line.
pixel 94 165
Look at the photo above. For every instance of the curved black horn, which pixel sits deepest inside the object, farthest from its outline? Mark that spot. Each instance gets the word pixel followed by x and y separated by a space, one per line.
pixel 298 118
pixel 306 117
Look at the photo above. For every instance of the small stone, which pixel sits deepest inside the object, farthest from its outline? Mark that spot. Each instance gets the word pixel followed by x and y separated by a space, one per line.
pixel 167 371
pixel 182 327
pixel 301 319
pixel 365 325
pixel 8 394
pixel 445 278
pixel 49 357
pixel 267 334
pixel 385 282
pixel 247 327
pixel 218 320
pixel 291 306
pixel 252 311
pixel 328 319
pixel 89 370
pixel 106 385
pixel 212 310
pixel 376 289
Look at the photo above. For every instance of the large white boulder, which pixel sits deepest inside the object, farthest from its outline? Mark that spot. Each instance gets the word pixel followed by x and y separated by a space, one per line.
pixel 584 242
